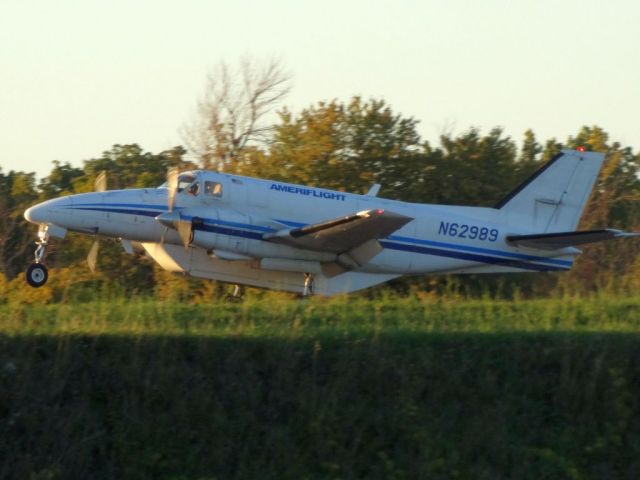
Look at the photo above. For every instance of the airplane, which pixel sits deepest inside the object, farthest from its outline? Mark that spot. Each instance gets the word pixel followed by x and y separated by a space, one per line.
pixel 308 240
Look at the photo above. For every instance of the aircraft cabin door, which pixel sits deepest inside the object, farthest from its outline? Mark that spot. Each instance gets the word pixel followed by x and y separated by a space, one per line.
pixel 245 194
pixel 258 195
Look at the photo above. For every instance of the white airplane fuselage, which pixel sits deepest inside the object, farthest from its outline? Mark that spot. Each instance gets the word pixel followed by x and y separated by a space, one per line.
pixel 229 229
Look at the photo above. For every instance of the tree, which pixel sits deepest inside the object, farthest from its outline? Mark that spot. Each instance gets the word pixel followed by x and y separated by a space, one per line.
pixel 232 113
pixel 551 149
pixel 477 170
pixel 346 147
pixel 531 149
pixel 17 192
pixel 60 180
pixel 129 166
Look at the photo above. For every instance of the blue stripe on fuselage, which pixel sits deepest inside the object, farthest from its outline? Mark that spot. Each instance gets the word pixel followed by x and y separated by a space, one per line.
pixel 504 262
pixel 464 252
pixel 128 211
pixel 520 256
pixel 433 243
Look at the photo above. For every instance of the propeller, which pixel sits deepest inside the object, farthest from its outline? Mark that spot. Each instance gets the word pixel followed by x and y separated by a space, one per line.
pixel 185 228
pixel 100 185
pixel 92 258
pixel 172 219
pixel 172 186
pixel 181 224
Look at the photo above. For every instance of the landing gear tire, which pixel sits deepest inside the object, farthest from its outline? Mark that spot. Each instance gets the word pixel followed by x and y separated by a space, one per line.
pixel 37 275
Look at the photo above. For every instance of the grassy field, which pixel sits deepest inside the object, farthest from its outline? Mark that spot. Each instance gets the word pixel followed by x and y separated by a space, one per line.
pixel 321 389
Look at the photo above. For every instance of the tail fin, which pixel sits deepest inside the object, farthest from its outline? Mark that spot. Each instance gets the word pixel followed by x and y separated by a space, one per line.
pixel 554 197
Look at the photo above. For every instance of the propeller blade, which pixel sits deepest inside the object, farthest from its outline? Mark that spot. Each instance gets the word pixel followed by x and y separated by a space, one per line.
pixel 184 225
pixel 92 258
pixel 170 220
pixel 100 184
pixel 172 186
pixel 164 234
pixel 184 230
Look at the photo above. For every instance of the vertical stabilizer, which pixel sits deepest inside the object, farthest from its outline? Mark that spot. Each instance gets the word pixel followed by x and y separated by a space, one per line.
pixel 554 197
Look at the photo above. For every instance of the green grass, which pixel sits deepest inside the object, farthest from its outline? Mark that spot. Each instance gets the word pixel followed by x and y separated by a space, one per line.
pixel 346 388
pixel 317 316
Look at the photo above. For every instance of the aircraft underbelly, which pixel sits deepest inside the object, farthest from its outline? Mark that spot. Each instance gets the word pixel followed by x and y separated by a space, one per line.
pixel 245 273
pixel 402 259
pixel 425 263
pixel 390 261
pixel 196 262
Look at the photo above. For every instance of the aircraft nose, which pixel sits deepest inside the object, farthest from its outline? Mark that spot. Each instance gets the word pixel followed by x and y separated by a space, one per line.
pixel 34 214
pixel 46 212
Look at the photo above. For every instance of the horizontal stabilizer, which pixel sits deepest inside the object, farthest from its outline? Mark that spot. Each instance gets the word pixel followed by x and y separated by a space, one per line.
pixel 555 241
pixel 342 234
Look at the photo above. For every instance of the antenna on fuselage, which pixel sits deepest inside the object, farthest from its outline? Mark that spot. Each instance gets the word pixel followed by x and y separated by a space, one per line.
pixel 373 191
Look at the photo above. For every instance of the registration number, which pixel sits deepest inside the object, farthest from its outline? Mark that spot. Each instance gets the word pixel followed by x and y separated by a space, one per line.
pixel 473 232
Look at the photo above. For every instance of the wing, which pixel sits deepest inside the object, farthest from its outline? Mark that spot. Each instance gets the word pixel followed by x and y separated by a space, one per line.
pixel 554 241
pixel 354 238
pixel 342 234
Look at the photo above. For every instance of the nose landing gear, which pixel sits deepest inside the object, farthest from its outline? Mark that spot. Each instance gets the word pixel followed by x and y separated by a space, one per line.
pixel 37 274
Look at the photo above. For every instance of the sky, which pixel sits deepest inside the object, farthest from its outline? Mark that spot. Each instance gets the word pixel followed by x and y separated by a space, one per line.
pixel 77 77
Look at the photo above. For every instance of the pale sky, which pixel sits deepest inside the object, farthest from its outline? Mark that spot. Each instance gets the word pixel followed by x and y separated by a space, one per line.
pixel 79 76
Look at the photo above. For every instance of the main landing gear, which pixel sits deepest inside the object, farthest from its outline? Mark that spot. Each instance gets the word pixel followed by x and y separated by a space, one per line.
pixel 308 285
pixel 236 296
pixel 37 274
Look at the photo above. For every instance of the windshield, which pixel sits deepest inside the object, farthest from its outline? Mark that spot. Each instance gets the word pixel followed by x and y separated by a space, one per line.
pixel 184 181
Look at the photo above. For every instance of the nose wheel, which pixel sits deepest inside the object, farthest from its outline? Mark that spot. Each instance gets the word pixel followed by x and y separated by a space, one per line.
pixel 37 274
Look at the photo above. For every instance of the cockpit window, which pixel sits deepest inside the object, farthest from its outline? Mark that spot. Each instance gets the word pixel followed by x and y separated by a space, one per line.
pixel 185 180
pixel 194 189
pixel 213 188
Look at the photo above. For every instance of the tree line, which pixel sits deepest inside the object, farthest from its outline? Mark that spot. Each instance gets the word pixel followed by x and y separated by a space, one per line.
pixel 343 145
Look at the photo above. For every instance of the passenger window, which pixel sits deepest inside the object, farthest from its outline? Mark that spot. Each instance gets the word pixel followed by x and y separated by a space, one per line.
pixel 213 188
